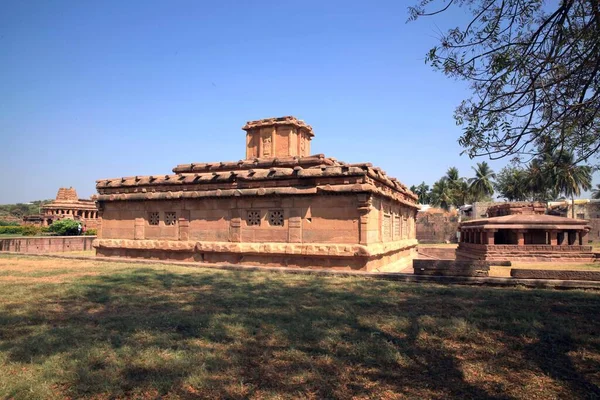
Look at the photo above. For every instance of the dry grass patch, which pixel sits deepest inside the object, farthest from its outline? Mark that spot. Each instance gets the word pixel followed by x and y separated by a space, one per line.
pixel 140 331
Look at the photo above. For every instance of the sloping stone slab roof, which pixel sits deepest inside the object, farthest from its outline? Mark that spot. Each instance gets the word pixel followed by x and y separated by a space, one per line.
pixel 526 221
pixel 290 175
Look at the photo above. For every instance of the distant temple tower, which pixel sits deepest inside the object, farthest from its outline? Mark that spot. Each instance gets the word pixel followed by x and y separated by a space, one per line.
pixel 277 137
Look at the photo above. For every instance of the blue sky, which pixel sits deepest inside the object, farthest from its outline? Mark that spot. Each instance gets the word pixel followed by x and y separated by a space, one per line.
pixel 103 89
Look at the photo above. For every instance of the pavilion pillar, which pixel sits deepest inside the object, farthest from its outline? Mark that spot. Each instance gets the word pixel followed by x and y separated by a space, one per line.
pixel 553 237
pixel 489 236
pixel 572 238
pixel 562 237
pixel 582 237
pixel 520 237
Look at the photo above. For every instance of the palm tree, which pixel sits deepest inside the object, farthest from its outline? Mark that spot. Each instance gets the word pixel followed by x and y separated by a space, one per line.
pixel 482 185
pixel 596 192
pixel 459 188
pixel 569 178
pixel 441 194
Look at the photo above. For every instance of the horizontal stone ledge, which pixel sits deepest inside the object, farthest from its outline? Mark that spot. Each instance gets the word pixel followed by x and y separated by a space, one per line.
pixel 300 249
pixel 263 191
pixel 563 275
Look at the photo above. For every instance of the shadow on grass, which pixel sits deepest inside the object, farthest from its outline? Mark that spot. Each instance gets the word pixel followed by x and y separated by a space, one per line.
pixel 148 332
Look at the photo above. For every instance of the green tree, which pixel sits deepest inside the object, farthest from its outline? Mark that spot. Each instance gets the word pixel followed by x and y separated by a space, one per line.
pixel 482 185
pixel 441 194
pixel 422 191
pixel 570 178
pixel 596 192
pixel 512 183
pixel 65 227
pixel 534 71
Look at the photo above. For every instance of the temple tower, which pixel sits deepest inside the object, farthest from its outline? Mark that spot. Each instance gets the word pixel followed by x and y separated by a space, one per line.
pixel 277 137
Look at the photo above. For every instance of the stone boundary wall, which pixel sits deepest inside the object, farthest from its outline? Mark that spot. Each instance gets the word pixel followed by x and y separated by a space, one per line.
pixel 50 244
pixel 436 228
pixel 594 234
pixel 437 253
pixel 555 274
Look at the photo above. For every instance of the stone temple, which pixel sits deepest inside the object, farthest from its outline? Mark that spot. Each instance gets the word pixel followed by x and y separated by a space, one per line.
pixel 68 205
pixel 280 206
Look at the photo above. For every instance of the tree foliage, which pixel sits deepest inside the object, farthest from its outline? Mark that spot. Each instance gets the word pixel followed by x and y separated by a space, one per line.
pixel 482 184
pixel 596 192
pixel 546 177
pixel 534 71
pixel 65 227
pixel 512 183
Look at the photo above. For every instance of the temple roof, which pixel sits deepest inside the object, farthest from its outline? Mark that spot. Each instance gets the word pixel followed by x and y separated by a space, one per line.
pixel 277 175
pixel 526 221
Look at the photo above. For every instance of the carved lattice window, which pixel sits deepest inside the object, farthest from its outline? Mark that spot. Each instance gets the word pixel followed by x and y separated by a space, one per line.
pixel 253 218
pixel 276 217
pixel 170 218
pixel 153 218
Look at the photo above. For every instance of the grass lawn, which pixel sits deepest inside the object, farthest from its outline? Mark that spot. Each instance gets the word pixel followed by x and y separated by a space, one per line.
pixel 88 329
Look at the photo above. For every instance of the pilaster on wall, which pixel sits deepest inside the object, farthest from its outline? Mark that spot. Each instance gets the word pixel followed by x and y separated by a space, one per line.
pixel 184 225
pixel 139 229
pixel 295 226
pixel 235 226
pixel 364 206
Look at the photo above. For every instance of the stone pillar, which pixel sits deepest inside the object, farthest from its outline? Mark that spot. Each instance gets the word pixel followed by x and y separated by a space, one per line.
pixel 583 237
pixel 572 238
pixel 490 237
pixel 139 229
pixel 520 237
pixel 235 227
pixel 295 226
pixel 553 236
pixel 482 237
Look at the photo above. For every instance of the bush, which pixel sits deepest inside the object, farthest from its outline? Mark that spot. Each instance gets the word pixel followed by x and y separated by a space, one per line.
pixel 91 232
pixel 65 227
pixel 8 223
pixel 30 230
pixel 11 230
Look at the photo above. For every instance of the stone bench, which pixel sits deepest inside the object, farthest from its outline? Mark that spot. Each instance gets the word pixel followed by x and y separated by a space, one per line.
pixel 454 267
pixel 555 274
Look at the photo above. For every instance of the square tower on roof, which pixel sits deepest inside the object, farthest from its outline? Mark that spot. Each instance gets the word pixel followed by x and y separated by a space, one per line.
pixel 277 137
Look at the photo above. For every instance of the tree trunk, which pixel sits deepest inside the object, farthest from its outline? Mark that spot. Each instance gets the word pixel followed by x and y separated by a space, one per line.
pixel 573 206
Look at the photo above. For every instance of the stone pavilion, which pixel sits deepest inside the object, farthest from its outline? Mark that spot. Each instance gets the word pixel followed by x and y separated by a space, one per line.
pixel 522 232
pixel 280 206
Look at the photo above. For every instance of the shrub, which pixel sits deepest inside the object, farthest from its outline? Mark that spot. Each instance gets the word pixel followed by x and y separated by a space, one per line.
pixel 8 223
pixel 30 230
pixel 11 230
pixel 65 227
pixel 91 232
